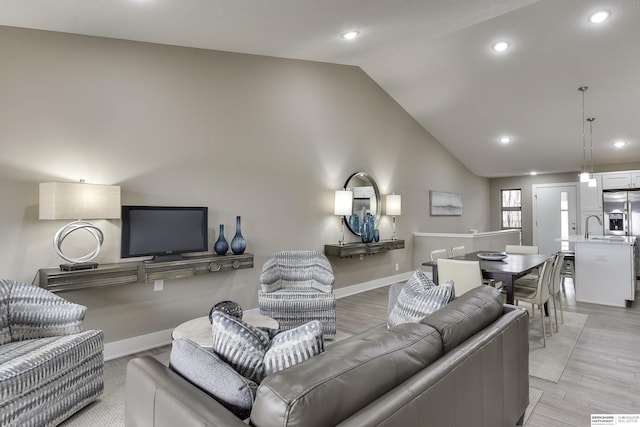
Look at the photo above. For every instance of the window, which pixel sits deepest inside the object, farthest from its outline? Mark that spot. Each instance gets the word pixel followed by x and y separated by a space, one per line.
pixel 511 209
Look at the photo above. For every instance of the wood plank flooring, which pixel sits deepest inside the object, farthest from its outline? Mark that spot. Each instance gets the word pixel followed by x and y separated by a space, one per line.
pixel 602 375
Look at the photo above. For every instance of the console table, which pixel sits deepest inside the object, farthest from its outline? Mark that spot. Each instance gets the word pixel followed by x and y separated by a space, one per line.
pixel 126 273
pixel 357 248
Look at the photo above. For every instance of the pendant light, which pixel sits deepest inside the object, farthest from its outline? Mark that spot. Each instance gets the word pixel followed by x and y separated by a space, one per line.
pixel 592 180
pixel 584 176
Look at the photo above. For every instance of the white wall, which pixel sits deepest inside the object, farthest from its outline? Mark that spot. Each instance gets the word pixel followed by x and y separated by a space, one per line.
pixel 268 139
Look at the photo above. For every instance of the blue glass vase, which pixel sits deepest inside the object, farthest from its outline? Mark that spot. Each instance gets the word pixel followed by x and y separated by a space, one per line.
pixel 367 229
pixel 376 235
pixel 238 244
pixel 221 246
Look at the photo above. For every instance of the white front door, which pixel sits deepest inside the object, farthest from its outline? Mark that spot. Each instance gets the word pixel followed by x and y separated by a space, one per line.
pixel 554 216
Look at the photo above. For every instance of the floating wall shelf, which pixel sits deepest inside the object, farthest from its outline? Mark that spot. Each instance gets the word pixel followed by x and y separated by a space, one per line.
pixel 126 273
pixel 350 249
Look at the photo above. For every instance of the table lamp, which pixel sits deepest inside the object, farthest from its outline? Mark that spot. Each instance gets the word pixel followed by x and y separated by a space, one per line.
pixel 343 206
pixel 393 208
pixel 77 200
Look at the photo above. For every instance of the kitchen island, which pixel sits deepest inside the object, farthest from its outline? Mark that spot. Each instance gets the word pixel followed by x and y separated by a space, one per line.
pixel 604 269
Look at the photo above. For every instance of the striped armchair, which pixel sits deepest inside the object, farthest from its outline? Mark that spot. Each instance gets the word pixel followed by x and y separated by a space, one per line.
pixel 49 369
pixel 297 287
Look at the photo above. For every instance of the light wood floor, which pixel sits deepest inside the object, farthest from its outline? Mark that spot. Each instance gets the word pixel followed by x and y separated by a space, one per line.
pixel 601 377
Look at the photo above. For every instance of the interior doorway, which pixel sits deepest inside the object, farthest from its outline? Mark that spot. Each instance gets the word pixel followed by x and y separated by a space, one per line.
pixel 554 216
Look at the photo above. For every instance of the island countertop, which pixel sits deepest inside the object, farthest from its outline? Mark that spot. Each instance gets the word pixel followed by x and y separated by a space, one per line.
pixel 608 240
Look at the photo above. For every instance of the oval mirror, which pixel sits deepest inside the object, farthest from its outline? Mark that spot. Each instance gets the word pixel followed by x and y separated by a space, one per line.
pixel 366 198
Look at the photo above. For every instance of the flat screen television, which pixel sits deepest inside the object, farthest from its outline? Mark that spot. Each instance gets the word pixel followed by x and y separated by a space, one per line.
pixel 164 232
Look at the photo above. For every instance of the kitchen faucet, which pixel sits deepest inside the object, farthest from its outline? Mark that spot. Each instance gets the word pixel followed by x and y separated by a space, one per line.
pixel 586 225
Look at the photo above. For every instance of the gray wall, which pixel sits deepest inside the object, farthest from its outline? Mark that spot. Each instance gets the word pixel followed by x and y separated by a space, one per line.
pixel 268 139
pixel 524 183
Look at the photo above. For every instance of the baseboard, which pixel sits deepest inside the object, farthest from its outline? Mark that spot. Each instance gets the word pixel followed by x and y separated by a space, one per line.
pixel 372 284
pixel 113 350
pixel 132 345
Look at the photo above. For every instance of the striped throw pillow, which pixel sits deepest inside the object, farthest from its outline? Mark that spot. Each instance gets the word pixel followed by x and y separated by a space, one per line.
pixel 420 282
pixel 412 305
pixel 293 346
pixel 239 344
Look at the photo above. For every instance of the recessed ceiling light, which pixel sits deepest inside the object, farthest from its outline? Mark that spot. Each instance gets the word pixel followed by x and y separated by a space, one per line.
pixel 350 35
pixel 533 173
pixel 505 139
pixel 599 17
pixel 619 144
pixel 501 46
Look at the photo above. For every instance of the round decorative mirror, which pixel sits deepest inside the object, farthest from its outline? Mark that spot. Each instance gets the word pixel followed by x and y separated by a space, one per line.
pixel 366 199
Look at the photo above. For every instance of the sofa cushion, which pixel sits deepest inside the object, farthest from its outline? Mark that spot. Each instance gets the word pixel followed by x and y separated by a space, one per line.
pixel 413 304
pixel 467 315
pixel 28 365
pixel 349 375
pixel 5 332
pixel 296 345
pixel 239 344
pixel 202 367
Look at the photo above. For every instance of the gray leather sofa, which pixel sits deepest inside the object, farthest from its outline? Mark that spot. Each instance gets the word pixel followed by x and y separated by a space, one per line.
pixel 464 365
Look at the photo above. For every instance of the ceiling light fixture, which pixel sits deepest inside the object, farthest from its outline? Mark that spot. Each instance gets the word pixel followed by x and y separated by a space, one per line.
pixel 501 46
pixel 599 17
pixel 619 144
pixel 505 139
pixel 584 176
pixel 350 35
pixel 533 173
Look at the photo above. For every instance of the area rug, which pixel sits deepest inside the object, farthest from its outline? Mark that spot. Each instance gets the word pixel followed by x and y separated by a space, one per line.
pixel 549 362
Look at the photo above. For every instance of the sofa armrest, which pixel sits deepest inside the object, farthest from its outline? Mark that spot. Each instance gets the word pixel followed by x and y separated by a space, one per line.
pixel 156 396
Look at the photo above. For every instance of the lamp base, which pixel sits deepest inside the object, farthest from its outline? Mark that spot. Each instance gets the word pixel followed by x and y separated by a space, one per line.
pixel 79 266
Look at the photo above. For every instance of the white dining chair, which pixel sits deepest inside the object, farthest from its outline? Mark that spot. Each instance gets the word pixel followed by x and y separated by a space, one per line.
pixel 438 253
pixel 556 287
pixel 521 249
pixel 466 275
pixel 458 251
pixel 538 295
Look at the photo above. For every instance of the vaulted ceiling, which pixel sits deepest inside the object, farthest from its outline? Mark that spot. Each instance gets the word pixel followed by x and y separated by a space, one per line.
pixel 434 57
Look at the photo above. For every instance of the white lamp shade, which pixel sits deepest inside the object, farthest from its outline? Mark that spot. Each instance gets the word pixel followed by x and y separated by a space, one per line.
pixel 76 200
pixel 343 203
pixel 584 177
pixel 394 204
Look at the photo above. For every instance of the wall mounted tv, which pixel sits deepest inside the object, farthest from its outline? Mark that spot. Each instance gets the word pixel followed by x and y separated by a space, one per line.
pixel 164 232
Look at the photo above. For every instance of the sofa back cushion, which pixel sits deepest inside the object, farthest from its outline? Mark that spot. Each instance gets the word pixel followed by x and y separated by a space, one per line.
pixel 35 312
pixel 5 291
pixel 467 315
pixel 328 388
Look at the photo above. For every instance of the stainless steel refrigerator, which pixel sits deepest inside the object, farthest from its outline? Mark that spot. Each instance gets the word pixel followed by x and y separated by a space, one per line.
pixel 622 216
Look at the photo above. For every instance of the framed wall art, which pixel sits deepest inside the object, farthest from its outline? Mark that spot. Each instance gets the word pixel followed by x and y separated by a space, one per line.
pixel 442 203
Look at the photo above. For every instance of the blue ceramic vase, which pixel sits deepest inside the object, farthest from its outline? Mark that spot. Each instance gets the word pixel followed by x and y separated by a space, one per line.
pixel 221 246
pixel 367 228
pixel 238 244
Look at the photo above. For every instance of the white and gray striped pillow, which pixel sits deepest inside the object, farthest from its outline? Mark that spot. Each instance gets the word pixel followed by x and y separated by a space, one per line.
pixel 296 345
pixel 412 305
pixel 239 344
pixel 420 282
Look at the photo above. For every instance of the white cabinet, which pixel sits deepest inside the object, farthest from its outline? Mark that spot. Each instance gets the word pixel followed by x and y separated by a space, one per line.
pixel 617 180
pixel 604 273
pixel 591 197
pixel 635 179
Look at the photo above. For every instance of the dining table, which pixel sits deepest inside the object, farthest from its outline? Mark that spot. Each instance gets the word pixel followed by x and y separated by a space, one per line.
pixel 507 270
